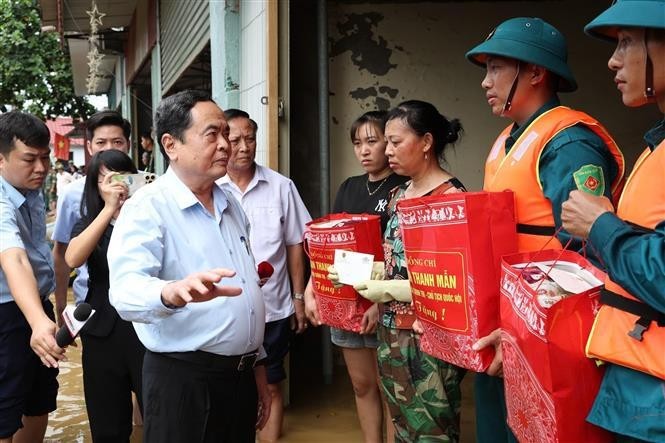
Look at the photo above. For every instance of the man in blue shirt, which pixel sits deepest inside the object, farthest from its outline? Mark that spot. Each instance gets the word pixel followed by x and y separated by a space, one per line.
pixel 174 242
pixel 28 386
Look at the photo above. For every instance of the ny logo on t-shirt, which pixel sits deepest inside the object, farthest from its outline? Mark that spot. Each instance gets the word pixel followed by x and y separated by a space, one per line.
pixel 381 205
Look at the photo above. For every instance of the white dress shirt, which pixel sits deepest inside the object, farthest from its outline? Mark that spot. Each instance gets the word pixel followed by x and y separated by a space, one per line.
pixel 164 234
pixel 277 216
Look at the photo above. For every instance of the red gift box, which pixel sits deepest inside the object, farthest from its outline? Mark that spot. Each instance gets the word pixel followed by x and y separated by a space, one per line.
pixel 550 384
pixel 343 307
pixel 453 245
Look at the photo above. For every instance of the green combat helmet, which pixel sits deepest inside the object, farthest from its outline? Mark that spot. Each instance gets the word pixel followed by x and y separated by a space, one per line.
pixel 630 14
pixel 530 40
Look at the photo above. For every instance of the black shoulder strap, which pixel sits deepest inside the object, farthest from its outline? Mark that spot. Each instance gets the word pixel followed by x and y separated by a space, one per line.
pixel 646 313
pixel 546 231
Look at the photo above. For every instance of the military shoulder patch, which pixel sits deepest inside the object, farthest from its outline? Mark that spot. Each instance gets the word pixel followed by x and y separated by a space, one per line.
pixel 590 178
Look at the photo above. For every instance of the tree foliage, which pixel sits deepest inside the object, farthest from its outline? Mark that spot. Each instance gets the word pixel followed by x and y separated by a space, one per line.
pixel 35 73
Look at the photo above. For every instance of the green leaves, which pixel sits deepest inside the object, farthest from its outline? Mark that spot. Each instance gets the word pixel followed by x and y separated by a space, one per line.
pixel 35 74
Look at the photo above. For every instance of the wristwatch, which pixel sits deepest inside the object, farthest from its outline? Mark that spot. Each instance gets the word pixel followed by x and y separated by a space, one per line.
pixel 298 296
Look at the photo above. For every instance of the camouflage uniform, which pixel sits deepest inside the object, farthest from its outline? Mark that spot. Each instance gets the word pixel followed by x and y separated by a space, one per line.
pixel 49 189
pixel 422 392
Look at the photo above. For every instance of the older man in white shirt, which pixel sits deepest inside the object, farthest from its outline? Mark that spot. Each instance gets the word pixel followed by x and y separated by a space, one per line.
pixel 173 243
pixel 278 217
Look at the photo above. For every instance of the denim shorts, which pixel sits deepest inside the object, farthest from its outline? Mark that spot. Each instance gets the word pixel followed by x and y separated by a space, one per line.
pixel 348 339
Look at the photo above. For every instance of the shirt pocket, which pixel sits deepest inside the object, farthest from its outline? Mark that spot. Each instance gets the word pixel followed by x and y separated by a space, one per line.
pixel 266 225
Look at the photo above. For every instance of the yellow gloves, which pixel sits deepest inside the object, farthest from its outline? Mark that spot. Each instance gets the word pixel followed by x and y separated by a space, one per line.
pixel 378 270
pixel 377 289
pixel 334 277
pixel 382 291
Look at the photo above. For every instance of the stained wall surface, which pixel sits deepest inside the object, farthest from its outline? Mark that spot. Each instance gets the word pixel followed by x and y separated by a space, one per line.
pixel 382 53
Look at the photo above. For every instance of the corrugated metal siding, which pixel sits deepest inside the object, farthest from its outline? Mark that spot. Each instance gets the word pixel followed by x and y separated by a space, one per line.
pixel 142 37
pixel 184 32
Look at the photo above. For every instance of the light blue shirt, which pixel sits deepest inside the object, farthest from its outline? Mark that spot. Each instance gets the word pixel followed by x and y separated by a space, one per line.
pixel 23 225
pixel 68 213
pixel 164 234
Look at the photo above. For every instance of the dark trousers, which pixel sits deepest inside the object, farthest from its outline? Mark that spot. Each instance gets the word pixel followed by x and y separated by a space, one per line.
pixel 112 370
pixel 187 402
pixel 27 387
pixel 491 415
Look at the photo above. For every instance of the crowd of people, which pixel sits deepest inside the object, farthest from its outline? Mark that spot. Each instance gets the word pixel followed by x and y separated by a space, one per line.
pixel 59 176
pixel 185 325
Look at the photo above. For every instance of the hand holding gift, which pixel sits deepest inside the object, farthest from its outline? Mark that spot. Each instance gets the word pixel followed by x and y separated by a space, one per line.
pixel 378 271
pixel 383 291
pixel 333 276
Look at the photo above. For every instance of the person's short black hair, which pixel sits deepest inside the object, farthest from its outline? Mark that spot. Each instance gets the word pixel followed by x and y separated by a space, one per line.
pixel 423 117
pixel 232 114
pixel 375 118
pixel 17 125
pixel 174 114
pixel 147 135
pixel 107 118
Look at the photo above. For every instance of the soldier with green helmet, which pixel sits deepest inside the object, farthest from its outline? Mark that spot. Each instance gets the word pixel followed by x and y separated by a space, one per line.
pixel 547 151
pixel 631 400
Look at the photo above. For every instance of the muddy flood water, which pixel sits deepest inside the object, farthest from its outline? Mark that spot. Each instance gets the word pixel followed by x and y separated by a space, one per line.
pixel 317 412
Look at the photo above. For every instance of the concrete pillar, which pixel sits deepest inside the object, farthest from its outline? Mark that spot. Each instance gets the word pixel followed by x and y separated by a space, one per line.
pixel 225 52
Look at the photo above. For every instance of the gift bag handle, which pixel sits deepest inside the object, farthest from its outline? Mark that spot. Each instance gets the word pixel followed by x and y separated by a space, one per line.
pixel 305 244
pixel 521 276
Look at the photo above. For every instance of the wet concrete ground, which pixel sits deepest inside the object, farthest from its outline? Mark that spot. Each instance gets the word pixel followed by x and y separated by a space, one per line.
pixel 317 413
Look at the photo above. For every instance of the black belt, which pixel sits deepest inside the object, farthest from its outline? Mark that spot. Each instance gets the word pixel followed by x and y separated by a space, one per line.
pixel 215 361
pixel 646 313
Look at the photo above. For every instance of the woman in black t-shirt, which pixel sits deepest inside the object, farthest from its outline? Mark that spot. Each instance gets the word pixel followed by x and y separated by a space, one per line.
pixel 367 193
pixel 112 353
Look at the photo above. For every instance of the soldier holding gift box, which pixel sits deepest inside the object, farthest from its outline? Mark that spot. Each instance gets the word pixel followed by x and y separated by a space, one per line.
pixel 547 151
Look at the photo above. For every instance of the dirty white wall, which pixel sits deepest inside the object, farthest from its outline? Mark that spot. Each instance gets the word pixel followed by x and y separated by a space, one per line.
pixel 382 53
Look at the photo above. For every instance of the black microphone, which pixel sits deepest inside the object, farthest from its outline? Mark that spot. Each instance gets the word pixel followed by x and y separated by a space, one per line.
pixel 68 332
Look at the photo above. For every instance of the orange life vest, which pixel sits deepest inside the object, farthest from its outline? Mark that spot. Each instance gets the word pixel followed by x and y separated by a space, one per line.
pixel 519 172
pixel 618 336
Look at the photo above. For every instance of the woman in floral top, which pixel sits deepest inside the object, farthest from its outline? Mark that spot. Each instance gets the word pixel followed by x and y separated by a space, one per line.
pixel 423 393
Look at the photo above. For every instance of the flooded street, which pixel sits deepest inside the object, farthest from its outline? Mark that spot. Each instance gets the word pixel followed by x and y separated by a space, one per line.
pixel 69 423
pixel 317 412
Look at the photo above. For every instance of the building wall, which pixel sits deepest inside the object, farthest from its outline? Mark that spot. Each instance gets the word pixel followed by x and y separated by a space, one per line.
pixel 254 71
pixel 383 53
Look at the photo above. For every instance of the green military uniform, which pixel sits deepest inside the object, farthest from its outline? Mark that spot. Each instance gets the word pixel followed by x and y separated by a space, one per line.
pixel 563 163
pixel 49 189
pixel 568 152
pixel 631 403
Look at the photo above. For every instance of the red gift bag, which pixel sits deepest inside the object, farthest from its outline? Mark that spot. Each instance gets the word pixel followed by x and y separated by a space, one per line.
pixel 343 307
pixel 550 384
pixel 453 245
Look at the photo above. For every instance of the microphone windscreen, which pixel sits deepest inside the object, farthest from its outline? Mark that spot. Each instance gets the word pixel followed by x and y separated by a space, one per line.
pixel 265 269
pixel 82 311
pixel 63 337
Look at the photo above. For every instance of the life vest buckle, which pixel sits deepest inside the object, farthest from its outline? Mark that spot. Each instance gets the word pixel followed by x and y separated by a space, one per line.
pixel 638 331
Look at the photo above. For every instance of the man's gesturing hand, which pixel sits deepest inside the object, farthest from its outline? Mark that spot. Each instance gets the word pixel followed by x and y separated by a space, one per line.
pixel 199 287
